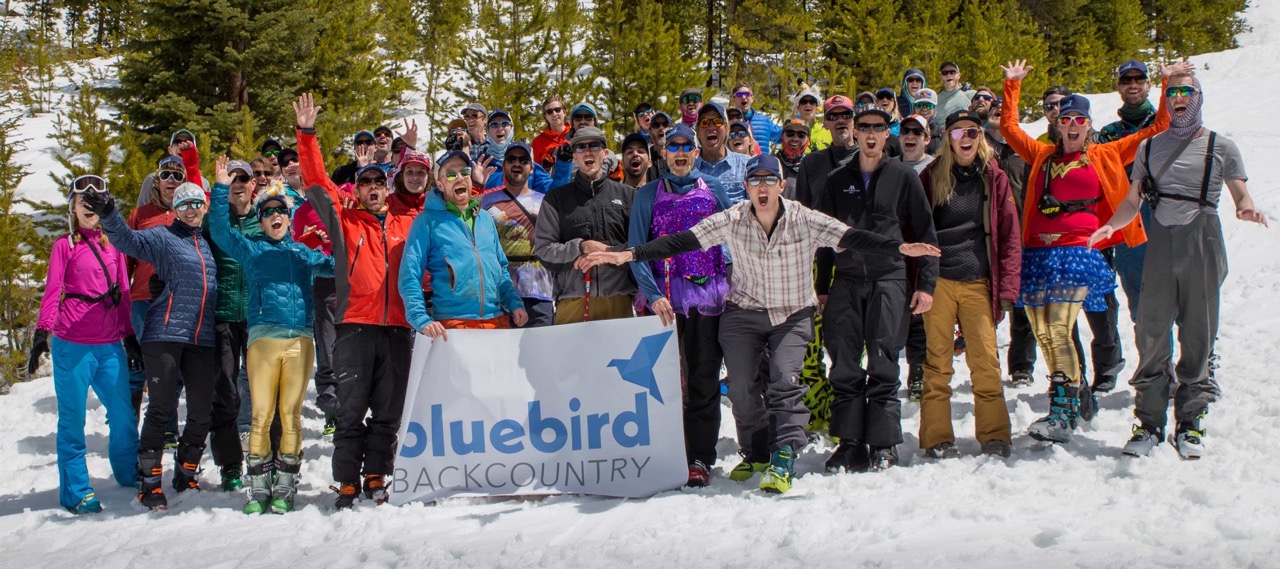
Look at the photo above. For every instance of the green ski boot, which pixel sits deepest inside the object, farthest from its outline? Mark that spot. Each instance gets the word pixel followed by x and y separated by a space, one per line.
pixel 777 477
pixel 746 469
pixel 260 480
pixel 285 488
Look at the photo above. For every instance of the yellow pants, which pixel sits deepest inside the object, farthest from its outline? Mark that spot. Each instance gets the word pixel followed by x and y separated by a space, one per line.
pixel 573 310
pixel 1052 324
pixel 278 374
pixel 970 303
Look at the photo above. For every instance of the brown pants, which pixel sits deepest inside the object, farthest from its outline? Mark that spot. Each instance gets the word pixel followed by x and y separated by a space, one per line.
pixel 970 303
pixel 571 310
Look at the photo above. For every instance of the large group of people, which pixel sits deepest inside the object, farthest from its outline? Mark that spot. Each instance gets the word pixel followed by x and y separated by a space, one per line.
pixel 896 219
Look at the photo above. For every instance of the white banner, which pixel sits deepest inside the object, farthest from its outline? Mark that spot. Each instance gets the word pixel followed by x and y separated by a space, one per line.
pixel 592 408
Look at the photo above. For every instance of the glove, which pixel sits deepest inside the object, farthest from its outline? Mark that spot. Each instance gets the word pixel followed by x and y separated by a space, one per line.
pixel 565 153
pixel 100 203
pixel 133 352
pixel 155 286
pixel 1006 306
pixel 39 345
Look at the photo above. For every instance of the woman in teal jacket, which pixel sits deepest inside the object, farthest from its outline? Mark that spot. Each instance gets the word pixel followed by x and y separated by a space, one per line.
pixel 457 242
pixel 281 349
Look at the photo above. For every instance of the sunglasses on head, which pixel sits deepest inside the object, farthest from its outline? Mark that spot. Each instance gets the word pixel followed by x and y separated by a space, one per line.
pixel 924 106
pixel 681 147
pixel 1180 91
pixel 499 124
pixel 263 173
pixel 242 179
pixel 184 206
pixel 270 211
pixel 710 122
pixel 553 111
pixel 767 180
pixel 795 133
pixel 88 183
pixel 1068 120
pixel 452 175
pixel 171 176
pixel 905 130
pixel 690 99
pixel 877 127
pixel 588 147
pixel 972 132
pixel 379 182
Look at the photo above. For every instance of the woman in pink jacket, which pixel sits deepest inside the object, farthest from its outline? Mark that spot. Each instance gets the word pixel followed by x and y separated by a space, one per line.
pixel 86 310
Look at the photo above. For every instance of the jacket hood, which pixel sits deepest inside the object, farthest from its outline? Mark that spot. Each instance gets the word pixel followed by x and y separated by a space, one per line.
pixel 924 83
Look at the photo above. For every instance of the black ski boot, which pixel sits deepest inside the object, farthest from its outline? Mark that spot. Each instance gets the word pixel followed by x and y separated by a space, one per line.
pixel 1088 403
pixel 883 458
pixel 915 382
pixel 1064 408
pixel 1104 383
pixel 850 456
pixel 186 473
pixel 150 489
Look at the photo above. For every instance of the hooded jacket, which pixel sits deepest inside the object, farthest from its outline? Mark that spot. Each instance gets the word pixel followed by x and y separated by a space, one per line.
pixel 278 274
pixel 1004 239
pixel 906 104
pixel 584 210
pixel 183 311
pixel 366 250
pixel 74 270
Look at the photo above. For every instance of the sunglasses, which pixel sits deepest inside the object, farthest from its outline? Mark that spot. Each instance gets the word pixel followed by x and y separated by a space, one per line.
pixel 742 94
pixel 1072 119
pixel 911 80
pixel 452 175
pixel 643 114
pixel 795 133
pixel 808 101
pixel 88 183
pixel 588 147
pixel 518 160
pixel 584 117
pixel 171 175
pixel 365 142
pixel 878 127
pixel 843 116
pixel 904 131
pixel 1180 91
pixel 500 124
pixel 268 212
pixel 1049 106
pixel 960 133
pixel 924 106
pixel 690 99
pixel 271 153
pixel 553 111
pixel 738 134
pixel 473 116
pixel 757 181
pixel 378 182
pixel 659 124
pixel 983 97
pixel 950 72
pixel 287 162
pixel 1133 80
pixel 716 122
pixel 681 147
pixel 263 173
pixel 184 206
pixel 242 179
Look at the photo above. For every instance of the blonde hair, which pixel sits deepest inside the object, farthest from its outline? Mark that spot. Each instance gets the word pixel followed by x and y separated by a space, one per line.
pixel 943 180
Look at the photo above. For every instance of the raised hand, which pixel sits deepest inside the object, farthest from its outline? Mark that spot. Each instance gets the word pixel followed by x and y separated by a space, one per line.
pixel 482 170
pixel 1180 67
pixel 220 174
pixel 1017 69
pixel 306 110
pixel 364 155
pixel 100 203
pixel 410 136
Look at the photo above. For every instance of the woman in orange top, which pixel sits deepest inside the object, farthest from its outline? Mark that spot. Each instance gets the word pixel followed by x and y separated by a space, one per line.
pixel 1073 183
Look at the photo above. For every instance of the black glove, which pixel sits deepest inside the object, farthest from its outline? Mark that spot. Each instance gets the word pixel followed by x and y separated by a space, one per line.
pixel 133 352
pixel 100 203
pixel 39 345
pixel 565 153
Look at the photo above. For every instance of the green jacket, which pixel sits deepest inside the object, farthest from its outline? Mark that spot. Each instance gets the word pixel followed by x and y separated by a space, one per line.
pixel 233 286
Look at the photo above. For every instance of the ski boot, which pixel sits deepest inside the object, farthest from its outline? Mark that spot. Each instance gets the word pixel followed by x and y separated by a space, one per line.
pixel 746 469
pixel 231 478
pixel 1104 383
pixel 1187 439
pixel 1021 378
pixel 186 473
pixel 915 382
pixel 699 475
pixel 995 447
pixel 958 347
pixel 88 505
pixel 1088 403
pixel 375 488
pixel 260 479
pixel 330 427
pixel 883 458
pixel 850 456
pixel 942 450
pixel 150 489
pixel 346 495
pixel 288 467
pixel 777 475
pixel 1144 441
pixel 1064 408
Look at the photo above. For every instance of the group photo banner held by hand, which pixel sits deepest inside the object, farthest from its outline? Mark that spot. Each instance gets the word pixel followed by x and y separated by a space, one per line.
pixel 590 408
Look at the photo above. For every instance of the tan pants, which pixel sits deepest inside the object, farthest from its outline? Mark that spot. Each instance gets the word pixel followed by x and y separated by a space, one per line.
pixel 278 374
pixel 970 303
pixel 1052 324
pixel 571 310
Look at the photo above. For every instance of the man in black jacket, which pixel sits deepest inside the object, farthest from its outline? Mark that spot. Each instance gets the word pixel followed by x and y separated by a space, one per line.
pixel 865 305
pixel 837 117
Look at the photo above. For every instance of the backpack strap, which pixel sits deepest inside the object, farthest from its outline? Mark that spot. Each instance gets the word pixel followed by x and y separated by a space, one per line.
pixel 1203 200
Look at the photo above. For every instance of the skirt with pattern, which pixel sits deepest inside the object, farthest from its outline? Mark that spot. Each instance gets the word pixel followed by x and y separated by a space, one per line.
pixel 1066 274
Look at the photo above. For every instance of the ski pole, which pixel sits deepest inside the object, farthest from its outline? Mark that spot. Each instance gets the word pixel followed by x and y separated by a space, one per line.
pixel 586 299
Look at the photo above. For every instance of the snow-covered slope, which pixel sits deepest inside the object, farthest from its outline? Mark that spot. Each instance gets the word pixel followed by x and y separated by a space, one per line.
pixel 1075 505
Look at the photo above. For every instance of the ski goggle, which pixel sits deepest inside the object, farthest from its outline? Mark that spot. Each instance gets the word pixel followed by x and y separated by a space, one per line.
pixel 171 176
pixel 960 133
pixel 681 147
pixel 452 175
pixel 1180 91
pixel 270 211
pixel 89 183
pixel 1069 120
pixel 690 99
pixel 756 181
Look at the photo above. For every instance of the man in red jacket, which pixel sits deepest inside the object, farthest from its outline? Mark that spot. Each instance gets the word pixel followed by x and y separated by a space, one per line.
pixel 374 342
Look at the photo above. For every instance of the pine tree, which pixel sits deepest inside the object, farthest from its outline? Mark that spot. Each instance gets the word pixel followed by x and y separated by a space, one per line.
pixel 248 139
pixel 437 43
pixel 772 41
pixel 872 38
pixel 566 64
pixel 502 70
pixel 1186 27
pixel 22 258
pixel 85 141
pixel 991 34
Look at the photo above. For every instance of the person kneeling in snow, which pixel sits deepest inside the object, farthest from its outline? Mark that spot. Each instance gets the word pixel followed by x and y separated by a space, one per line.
pixel 771 301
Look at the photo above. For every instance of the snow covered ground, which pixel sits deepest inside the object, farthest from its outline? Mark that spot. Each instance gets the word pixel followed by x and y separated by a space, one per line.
pixel 1080 504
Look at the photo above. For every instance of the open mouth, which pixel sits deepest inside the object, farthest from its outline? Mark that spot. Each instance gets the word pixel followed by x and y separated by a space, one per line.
pixel 1073 136
pixel 713 139
pixel 870 144
pixel 461 190
pixel 634 163
pixel 966 146
pixel 680 161
pixel 909 144
pixel 277 224
pixel 589 162
pixel 1179 110
pixel 763 200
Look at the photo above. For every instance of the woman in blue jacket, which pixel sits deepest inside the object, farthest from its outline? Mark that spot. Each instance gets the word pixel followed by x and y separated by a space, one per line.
pixel 281 346
pixel 177 340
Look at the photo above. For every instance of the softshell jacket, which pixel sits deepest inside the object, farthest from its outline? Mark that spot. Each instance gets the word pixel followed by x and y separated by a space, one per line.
pixel 466 264
pixel 1004 241
pixel 279 273
pixel 366 250
pixel 233 287
pixel 183 312
pixel 145 217
pixel 1108 160
pixel 584 210
pixel 74 269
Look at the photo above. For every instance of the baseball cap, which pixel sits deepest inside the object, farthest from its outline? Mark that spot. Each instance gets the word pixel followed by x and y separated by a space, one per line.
pixel 873 111
pixel 682 130
pixel 286 156
pixel 766 162
pixel 867 94
pixel 585 106
pixel 167 160
pixel 382 128
pixel 240 165
pixel 415 157
pixel 1074 104
pixel 961 116
pixel 837 102
pixel 456 123
pixel 663 115
pixel 173 139
pixel 744 125
pixel 717 107
pixel 642 107
pixel 499 113
pixel 924 123
pixel 452 153
pixel 635 138
pixel 1132 65
pixel 362 134
pixel 270 144
pixel 370 168
pixel 187 192
pixel 518 145
pixel 926 96
pixel 588 133
pixel 477 107
pixel 885 93
pixel 691 92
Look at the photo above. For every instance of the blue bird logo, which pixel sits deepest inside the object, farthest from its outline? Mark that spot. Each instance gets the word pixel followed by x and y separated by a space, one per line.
pixel 639 369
